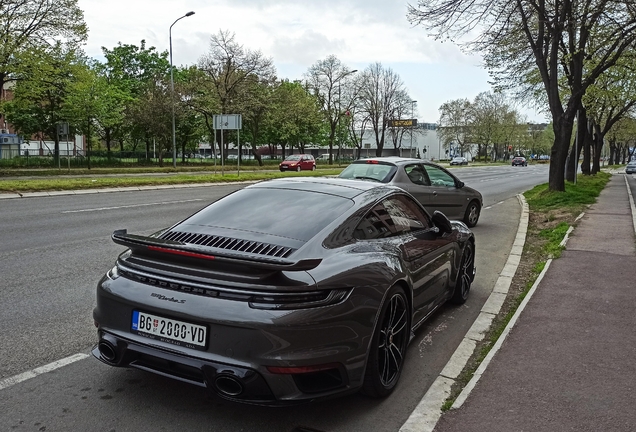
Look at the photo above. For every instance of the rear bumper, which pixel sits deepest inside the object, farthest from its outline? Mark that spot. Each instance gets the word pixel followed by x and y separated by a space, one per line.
pixel 243 344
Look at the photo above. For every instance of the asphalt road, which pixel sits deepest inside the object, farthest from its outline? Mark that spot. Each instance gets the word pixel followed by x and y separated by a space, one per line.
pixel 53 250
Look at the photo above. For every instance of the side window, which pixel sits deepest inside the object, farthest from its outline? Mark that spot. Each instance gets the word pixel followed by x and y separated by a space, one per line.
pixel 417 175
pixel 394 216
pixel 376 224
pixel 439 177
pixel 407 215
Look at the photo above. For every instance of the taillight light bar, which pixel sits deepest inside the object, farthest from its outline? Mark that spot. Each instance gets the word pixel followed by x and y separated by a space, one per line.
pixel 180 252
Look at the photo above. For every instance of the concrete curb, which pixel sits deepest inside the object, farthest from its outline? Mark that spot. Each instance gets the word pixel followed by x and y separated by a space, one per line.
pixel 428 411
pixel 631 203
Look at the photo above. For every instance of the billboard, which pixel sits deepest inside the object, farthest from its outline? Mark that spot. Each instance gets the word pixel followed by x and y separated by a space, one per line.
pixel 403 123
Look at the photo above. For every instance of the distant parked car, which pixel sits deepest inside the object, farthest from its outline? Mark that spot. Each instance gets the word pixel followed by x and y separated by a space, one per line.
pixel 459 161
pixel 519 161
pixel 298 162
pixel 433 186
pixel 630 168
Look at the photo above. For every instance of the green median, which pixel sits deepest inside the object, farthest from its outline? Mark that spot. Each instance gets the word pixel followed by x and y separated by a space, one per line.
pixel 91 182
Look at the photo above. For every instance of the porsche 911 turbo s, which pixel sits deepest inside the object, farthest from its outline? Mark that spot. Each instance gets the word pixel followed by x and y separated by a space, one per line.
pixel 269 307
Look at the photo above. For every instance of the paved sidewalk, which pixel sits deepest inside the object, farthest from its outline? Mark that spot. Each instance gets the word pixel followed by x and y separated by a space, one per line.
pixel 569 363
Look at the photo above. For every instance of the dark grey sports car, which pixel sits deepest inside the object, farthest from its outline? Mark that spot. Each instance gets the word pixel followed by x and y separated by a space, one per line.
pixel 287 290
pixel 432 185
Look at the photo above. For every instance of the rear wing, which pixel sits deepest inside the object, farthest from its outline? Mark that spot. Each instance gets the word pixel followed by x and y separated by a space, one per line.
pixel 157 245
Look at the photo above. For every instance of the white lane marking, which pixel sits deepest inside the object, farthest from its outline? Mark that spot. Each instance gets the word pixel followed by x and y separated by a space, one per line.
pixel 491 206
pixel 132 206
pixel 8 382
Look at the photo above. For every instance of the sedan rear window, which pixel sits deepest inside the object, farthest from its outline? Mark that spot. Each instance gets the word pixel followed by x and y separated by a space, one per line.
pixel 369 170
pixel 282 212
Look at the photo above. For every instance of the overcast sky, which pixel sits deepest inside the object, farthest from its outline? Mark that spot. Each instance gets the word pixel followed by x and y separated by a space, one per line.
pixel 296 34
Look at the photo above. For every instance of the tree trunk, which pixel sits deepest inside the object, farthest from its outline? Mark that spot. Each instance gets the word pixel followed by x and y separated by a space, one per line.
pixel 559 153
pixel 586 142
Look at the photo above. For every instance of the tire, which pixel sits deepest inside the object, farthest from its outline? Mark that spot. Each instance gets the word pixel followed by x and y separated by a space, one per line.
pixel 388 345
pixel 298 168
pixel 313 168
pixel 471 217
pixel 465 275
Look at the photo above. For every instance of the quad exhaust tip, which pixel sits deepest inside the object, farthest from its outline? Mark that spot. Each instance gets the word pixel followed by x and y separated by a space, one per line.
pixel 107 351
pixel 228 385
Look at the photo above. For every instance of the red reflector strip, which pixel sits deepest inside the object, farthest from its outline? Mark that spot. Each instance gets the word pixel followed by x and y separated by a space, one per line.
pixel 301 369
pixel 179 252
pixel 372 162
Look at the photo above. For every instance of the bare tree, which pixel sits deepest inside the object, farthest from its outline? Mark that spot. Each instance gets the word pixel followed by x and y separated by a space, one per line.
pixel 230 67
pixel 454 124
pixel 326 78
pixel 380 93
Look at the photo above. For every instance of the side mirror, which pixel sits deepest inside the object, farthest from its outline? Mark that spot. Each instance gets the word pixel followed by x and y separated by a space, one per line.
pixel 459 184
pixel 441 221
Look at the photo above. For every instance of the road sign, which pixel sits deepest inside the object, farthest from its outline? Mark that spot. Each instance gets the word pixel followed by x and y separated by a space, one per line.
pixel 228 121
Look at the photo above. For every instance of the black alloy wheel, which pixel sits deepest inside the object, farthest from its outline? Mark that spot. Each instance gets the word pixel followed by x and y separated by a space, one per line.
pixel 388 346
pixel 465 275
pixel 472 214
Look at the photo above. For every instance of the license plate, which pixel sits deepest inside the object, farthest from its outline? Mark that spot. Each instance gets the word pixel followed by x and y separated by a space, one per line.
pixel 169 330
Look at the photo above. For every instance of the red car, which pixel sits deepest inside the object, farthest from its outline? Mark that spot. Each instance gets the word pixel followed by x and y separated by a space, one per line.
pixel 519 161
pixel 298 162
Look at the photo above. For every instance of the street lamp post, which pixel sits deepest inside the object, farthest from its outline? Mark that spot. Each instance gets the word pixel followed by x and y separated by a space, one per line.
pixel 413 102
pixel 174 139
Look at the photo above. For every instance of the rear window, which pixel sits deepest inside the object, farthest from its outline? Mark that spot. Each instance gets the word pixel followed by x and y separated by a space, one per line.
pixel 282 212
pixel 377 171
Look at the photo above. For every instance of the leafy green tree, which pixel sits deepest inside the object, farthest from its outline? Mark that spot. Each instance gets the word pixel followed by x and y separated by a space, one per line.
pixel 198 94
pixel 91 103
pixel 27 25
pixel 295 119
pixel 129 69
pixel 41 90
pixel 152 112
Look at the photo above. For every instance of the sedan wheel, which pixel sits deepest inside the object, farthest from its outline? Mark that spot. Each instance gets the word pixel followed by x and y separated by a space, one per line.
pixel 298 168
pixel 313 168
pixel 465 275
pixel 388 345
pixel 472 214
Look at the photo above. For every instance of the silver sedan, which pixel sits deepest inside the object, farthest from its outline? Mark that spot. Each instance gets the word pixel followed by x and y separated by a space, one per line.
pixel 433 186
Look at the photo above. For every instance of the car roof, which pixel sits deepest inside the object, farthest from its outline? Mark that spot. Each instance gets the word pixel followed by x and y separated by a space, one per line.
pixel 334 186
pixel 396 160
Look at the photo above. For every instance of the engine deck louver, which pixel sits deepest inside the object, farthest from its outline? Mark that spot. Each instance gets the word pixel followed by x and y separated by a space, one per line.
pixel 228 243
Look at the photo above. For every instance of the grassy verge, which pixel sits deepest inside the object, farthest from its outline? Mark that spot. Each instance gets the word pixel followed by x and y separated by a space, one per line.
pixel 551 215
pixel 60 184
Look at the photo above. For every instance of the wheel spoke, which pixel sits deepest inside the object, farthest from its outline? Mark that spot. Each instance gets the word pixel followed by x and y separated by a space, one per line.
pixel 401 322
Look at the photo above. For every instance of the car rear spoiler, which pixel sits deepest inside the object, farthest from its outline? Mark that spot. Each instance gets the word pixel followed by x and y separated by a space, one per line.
pixel 158 245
